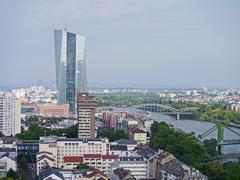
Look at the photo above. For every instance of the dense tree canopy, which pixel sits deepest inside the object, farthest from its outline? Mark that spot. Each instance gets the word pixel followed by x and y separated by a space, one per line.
pixel 113 135
pixel 211 147
pixel 213 114
pixel 184 146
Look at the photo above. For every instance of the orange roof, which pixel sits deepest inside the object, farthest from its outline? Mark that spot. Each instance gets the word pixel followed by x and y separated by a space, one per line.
pixel 73 159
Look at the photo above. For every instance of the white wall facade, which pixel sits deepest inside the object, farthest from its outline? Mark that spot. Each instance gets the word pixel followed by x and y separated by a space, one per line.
pixel 79 147
pixel 10 115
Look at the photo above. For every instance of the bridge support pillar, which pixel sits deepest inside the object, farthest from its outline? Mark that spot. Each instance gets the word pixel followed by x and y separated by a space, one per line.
pixel 178 116
pixel 220 149
pixel 220 134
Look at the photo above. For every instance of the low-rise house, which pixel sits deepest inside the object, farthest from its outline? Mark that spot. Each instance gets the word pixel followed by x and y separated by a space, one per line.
pixel 168 167
pixel 89 174
pixel 126 123
pixel 45 160
pixel 3 169
pixel 50 174
pixel 101 162
pixel 8 142
pixel 131 145
pixel 151 156
pixel 138 134
pixel 8 160
pixel 121 174
pixel 136 165
pixel 78 174
pixel 121 150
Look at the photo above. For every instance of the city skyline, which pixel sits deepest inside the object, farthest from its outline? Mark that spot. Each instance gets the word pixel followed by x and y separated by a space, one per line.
pixel 160 44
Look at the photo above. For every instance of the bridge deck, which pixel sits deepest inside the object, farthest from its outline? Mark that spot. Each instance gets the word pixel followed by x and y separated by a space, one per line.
pixel 231 142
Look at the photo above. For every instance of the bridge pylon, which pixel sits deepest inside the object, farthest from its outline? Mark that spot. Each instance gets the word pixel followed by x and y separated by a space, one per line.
pixel 219 126
pixel 178 116
pixel 220 137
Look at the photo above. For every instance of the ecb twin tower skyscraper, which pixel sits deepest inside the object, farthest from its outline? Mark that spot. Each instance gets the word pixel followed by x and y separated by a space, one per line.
pixel 71 75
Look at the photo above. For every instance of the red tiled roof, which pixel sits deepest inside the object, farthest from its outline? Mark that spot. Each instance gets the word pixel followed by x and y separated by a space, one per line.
pixel 73 159
pixel 107 156
pixel 92 155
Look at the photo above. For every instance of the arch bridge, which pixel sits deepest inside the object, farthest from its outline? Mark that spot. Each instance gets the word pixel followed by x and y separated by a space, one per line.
pixel 164 109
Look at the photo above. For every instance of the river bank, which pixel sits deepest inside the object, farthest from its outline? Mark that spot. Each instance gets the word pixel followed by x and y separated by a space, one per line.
pixel 198 128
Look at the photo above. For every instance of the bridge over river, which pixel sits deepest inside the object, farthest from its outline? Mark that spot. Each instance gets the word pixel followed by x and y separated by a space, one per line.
pixel 164 109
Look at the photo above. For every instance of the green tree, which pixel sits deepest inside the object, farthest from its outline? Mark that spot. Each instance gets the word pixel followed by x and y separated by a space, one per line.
pixel 12 174
pixel 233 171
pixel 113 135
pixel 33 133
pixel 211 147
pixel 23 163
pixel 23 176
pixel 82 166
pixel 213 171
pixel 33 119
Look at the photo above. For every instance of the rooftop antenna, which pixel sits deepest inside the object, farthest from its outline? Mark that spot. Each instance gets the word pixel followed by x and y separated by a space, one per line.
pixel 65 27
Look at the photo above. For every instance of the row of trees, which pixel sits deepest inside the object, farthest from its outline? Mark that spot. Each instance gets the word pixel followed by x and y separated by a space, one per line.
pixel 127 99
pixel 210 114
pixel 35 131
pixel 112 135
pixel 186 148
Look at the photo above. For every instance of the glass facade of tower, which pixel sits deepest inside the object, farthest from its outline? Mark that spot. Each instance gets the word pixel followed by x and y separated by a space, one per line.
pixel 71 75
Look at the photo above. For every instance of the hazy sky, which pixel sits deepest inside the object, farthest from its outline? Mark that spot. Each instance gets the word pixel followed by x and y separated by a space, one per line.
pixel 150 42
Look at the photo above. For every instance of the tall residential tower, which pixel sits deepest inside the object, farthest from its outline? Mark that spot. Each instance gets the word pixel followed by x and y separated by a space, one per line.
pixel 10 111
pixel 71 77
pixel 86 107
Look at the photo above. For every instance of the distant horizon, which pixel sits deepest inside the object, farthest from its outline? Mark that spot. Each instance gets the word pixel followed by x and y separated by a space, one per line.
pixel 115 86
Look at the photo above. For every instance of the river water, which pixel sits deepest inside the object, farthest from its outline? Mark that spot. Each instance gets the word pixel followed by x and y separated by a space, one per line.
pixel 199 127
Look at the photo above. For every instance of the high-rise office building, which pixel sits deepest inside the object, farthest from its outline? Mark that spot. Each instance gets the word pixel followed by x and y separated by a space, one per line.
pixel 10 111
pixel 71 77
pixel 86 107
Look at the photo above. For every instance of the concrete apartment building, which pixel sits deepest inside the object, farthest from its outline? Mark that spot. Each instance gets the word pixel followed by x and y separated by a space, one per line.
pixel 10 111
pixel 86 107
